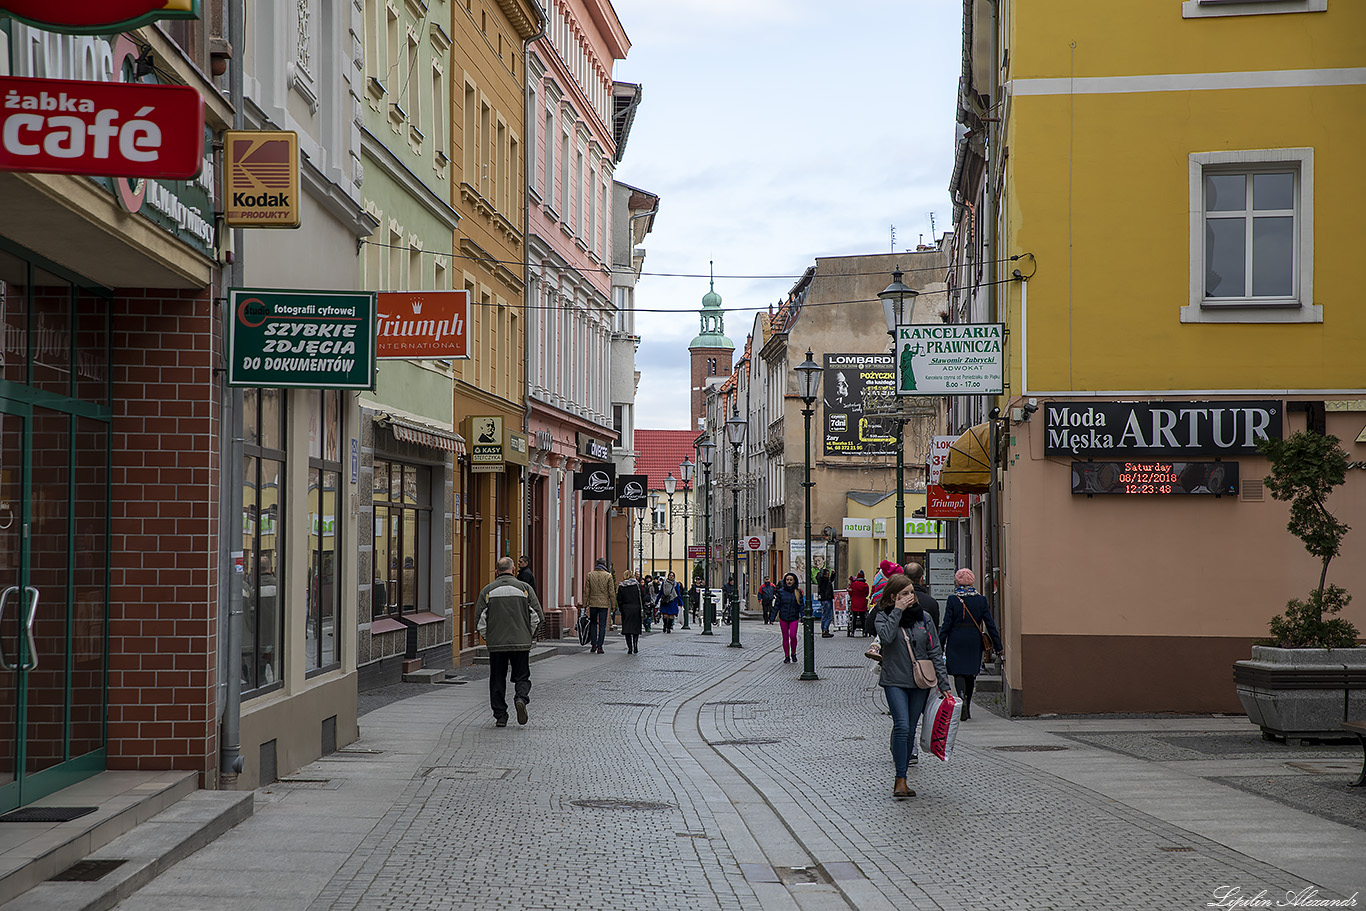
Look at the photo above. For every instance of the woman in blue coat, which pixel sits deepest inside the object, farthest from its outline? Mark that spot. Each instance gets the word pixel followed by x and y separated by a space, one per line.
pixel 966 613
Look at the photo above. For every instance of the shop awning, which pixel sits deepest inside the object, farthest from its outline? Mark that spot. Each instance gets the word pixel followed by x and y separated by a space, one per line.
pixel 968 469
pixel 426 435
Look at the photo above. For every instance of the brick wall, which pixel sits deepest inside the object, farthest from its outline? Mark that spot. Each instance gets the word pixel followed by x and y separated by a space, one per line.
pixel 163 615
pixel 700 372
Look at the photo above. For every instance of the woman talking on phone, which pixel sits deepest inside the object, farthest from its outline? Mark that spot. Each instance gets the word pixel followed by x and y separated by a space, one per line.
pixel 905 635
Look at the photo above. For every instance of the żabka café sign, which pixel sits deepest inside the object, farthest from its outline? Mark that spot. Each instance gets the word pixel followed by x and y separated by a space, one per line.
pixel 105 128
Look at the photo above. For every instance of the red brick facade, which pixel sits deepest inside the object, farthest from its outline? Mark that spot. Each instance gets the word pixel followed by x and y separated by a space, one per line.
pixel 163 613
pixel 702 368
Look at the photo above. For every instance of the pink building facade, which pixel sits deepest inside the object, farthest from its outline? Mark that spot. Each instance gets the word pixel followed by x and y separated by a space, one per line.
pixel 576 125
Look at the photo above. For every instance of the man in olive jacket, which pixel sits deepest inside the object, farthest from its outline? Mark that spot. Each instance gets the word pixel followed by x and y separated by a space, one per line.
pixel 507 614
pixel 600 597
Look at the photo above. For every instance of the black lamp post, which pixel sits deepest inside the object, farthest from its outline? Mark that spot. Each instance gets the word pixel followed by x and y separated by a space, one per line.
pixel 898 309
pixel 670 485
pixel 640 541
pixel 706 451
pixel 654 528
pixel 685 469
pixel 735 434
pixel 808 379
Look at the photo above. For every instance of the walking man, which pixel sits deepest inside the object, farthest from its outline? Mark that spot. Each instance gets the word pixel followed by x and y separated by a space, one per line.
pixel 507 614
pixel 916 573
pixel 525 574
pixel 600 597
pixel 766 593
pixel 825 588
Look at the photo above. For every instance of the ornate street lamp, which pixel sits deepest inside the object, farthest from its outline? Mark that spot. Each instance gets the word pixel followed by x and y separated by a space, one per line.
pixel 735 434
pixel 898 309
pixel 654 527
pixel 707 451
pixel 670 485
pixel 640 541
pixel 685 469
pixel 808 382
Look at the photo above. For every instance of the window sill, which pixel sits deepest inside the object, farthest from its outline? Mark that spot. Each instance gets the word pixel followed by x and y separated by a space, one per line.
pixel 1204 9
pixel 1226 313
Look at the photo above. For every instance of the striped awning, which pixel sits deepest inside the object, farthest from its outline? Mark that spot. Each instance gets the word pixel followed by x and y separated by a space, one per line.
pixel 425 435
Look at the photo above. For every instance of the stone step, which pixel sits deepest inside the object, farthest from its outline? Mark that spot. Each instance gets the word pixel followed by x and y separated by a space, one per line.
pixel 538 652
pixel 146 851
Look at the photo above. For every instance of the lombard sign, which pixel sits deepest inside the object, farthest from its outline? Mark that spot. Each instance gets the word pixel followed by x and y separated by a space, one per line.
pixel 1103 428
pixel 63 126
pixel 950 359
pixel 94 17
pixel 423 325
pixel 315 339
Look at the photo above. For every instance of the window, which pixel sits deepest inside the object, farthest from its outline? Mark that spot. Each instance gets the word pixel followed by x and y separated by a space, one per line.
pixel 549 178
pixel 1251 244
pixel 619 425
pixel 659 517
pixel 321 628
pixel 440 114
pixel 1199 9
pixel 263 498
pixel 401 496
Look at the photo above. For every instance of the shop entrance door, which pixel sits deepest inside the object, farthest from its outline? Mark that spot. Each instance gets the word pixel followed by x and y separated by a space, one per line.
pixel 53 497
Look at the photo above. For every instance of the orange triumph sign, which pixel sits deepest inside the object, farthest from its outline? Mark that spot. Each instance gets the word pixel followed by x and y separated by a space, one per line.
pixel 422 325
pixel 261 178
pixel 94 17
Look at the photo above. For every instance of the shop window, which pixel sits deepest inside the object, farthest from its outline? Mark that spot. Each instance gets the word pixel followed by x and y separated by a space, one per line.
pixel 323 625
pixel 402 503
pixel 263 498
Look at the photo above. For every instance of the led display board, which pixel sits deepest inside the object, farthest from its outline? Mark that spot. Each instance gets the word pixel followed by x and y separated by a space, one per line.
pixel 1154 476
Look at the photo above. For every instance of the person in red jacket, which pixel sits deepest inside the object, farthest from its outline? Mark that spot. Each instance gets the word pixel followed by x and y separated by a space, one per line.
pixel 858 604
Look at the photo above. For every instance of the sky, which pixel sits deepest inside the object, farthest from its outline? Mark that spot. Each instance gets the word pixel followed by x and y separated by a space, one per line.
pixel 776 131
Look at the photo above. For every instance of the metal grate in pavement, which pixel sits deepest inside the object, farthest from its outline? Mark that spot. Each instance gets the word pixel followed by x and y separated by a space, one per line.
pixel 47 814
pixel 635 705
pixel 734 702
pixel 743 742
pixel 87 871
pixel 614 804
pixel 1176 849
pixel 1030 748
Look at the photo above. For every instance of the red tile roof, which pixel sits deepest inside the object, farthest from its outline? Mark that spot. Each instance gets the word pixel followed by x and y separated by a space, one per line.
pixel 659 452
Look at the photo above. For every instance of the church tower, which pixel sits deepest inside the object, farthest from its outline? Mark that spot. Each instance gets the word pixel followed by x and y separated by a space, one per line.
pixel 712 353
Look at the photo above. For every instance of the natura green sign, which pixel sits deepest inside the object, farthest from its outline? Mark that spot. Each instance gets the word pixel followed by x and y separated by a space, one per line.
pixel 315 339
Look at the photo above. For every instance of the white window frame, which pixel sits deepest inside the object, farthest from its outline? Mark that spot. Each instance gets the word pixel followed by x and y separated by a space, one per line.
pixel 1302 308
pixel 1202 9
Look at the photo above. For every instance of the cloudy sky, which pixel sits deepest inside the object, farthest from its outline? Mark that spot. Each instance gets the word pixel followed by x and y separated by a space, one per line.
pixel 776 131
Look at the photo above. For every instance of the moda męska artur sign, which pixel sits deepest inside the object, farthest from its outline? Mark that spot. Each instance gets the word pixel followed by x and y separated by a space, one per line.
pixel 1105 428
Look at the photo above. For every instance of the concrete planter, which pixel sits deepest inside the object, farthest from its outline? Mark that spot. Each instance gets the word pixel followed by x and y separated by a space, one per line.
pixel 1302 693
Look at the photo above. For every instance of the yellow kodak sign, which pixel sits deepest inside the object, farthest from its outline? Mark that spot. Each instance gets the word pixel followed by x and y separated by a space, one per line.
pixel 261 178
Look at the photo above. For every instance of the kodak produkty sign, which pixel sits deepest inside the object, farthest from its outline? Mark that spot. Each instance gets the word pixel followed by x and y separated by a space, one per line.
pixel 261 179
pixel 109 129
pixel 423 325
pixel 97 17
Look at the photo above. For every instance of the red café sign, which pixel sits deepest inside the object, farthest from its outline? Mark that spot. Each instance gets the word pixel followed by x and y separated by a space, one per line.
pixel 95 17
pixel 108 129
pixel 422 325
pixel 940 504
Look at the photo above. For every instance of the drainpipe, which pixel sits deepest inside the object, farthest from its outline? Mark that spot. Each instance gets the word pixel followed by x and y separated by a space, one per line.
pixel 230 523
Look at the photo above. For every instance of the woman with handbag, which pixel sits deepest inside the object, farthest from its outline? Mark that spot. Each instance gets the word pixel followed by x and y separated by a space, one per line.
pixel 912 664
pixel 969 633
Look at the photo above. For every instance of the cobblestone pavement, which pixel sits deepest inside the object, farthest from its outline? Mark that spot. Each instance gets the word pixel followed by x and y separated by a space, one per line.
pixel 695 776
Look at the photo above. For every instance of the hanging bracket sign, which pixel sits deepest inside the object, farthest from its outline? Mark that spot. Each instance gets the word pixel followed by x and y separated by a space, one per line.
pixel 950 359
pixel 97 17
pixel 315 339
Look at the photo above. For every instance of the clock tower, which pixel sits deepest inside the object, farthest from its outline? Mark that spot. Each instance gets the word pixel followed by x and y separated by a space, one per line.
pixel 712 353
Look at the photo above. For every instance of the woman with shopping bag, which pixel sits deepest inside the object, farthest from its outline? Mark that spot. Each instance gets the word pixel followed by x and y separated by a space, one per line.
pixel 912 665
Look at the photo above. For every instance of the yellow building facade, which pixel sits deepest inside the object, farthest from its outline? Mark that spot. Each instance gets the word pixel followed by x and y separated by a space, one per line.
pixel 488 185
pixel 1181 185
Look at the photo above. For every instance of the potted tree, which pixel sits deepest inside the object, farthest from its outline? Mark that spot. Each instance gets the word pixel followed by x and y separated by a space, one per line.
pixel 1308 676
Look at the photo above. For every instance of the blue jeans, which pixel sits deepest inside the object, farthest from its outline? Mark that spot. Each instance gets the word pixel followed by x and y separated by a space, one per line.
pixel 827 614
pixel 597 626
pixel 907 705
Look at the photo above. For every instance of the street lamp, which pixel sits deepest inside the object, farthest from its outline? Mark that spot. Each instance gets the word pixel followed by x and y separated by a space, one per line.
pixel 685 469
pixel 706 452
pixel 898 309
pixel 735 434
pixel 808 380
pixel 670 485
pixel 640 541
pixel 654 527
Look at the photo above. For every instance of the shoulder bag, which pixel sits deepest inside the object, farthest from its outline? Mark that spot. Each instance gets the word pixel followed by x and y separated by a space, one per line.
pixel 988 650
pixel 922 669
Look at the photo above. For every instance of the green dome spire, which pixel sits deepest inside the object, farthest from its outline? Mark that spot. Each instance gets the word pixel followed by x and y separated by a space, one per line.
pixel 713 333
